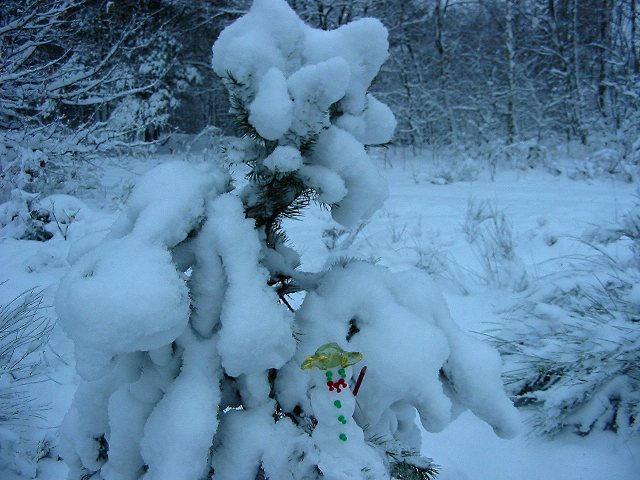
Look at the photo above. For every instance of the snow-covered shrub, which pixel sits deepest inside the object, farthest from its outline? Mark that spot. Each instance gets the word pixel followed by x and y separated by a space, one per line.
pixel 489 232
pixel 528 154
pixel 575 341
pixel 36 165
pixel 22 168
pixel 28 216
pixel 523 155
pixel 459 169
pixel 606 162
pixel 21 218
pixel 23 334
pixel 44 163
pixel 188 347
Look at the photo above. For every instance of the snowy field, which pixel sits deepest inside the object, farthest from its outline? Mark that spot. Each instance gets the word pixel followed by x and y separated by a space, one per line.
pixel 423 224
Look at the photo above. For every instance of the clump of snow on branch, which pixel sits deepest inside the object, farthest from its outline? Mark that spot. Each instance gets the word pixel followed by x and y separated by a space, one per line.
pixel 131 279
pixel 306 85
pixel 272 107
pixel 126 306
pixel 256 330
pixel 417 357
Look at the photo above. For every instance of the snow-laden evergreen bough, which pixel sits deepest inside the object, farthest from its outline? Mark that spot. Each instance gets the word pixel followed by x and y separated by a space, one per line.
pixel 574 343
pixel 188 350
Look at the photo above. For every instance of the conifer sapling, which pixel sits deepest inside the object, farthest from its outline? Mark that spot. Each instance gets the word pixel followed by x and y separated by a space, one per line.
pixel 188 349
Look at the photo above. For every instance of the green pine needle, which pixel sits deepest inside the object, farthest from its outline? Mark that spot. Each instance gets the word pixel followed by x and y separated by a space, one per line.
pixel 407 471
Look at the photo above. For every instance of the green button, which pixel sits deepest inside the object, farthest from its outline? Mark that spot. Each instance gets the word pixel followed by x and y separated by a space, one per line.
pixel 342 437
pixel 342 373
pixel 342 420
pixel 338 404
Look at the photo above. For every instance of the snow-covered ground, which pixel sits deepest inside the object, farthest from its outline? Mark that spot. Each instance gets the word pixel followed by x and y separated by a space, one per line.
pixel 424 225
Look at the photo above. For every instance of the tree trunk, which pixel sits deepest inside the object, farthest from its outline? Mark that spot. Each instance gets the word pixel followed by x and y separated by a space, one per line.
pixel 443 62
pixel 578 100
pixel 511 51
pixel 603 54
pixel 635 41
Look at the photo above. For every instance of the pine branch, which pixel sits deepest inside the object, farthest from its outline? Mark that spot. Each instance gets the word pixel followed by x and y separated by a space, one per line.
pixel 307 145
pixel 407 471
pixel 241 121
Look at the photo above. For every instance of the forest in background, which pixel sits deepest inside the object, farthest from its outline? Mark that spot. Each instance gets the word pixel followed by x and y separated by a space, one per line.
pixel 492 78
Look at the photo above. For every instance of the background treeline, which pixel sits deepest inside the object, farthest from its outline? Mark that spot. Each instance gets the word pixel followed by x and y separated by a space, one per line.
pixel 483 75
pixel 477 71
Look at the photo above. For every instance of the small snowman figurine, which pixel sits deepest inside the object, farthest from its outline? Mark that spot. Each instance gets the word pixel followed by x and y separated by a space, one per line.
pixel 332 401
pixel 342 452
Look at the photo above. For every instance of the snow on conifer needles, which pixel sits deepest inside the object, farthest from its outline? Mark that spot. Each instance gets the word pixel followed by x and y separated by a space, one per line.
pixel 575 343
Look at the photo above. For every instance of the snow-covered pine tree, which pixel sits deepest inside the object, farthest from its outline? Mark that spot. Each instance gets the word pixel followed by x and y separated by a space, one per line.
pixel 188 351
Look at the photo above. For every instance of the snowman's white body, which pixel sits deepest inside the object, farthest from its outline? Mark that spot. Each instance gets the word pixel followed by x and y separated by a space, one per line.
pixel 338 437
